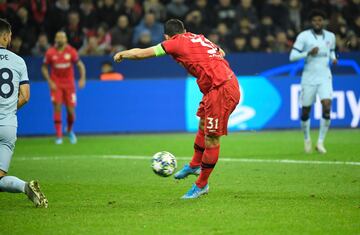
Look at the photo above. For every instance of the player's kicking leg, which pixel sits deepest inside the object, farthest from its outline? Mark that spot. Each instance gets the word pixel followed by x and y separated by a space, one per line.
pixel 193 168
pixel 324 125
pixel 305 126
pixel 70 122
pixel 209 160
pixel 215 109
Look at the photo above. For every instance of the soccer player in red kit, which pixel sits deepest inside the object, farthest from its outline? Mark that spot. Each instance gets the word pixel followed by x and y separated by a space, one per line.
pixel 219 85
pixel 61 58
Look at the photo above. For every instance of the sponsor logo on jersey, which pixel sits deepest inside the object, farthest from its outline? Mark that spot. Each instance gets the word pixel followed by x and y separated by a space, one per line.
pixel 67 56
pixel 62 65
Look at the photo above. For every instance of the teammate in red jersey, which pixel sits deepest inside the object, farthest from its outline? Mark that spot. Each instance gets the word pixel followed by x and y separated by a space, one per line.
pixel 61 58
pixel 219 85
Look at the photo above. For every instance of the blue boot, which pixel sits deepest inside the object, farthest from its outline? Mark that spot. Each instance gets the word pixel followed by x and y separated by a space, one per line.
pixel 72 137
pixel 185 171
pixel 196 192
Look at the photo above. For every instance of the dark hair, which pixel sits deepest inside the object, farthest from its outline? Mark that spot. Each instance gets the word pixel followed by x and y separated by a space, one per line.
pixel 316 12
pixel 173 27
pixel 5 27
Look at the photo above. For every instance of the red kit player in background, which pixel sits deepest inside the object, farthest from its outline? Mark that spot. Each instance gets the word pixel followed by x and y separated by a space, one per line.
pixel 61 58
pixel 204 60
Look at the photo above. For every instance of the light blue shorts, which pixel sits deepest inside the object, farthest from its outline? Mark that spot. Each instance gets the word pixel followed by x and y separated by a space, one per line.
pixel 7 146
pixel 309 92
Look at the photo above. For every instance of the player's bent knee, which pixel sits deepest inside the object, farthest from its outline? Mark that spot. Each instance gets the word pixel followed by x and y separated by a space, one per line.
pixel 305 116
pixel 70 109
pixel 326 107
pixel 305 113
pixel 57 107
pixel 212 141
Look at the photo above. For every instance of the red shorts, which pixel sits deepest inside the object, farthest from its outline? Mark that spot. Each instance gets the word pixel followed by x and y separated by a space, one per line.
pixel 217 105
pixel 64 95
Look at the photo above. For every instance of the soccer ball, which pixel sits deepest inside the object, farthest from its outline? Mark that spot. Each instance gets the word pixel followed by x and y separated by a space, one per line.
pixel 163 163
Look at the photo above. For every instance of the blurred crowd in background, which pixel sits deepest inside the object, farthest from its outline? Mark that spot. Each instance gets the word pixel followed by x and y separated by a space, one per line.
pixel 100 27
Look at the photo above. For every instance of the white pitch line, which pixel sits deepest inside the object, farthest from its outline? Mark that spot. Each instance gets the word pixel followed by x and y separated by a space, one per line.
pixel 245 160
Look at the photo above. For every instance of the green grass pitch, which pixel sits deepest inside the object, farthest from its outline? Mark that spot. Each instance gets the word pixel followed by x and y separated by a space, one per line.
pixel 92 191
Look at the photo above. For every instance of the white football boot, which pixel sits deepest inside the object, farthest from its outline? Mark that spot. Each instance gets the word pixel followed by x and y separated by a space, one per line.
pixel 320 148
pixel 307 146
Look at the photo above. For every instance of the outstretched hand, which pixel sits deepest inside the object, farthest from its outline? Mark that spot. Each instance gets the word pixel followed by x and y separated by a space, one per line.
pixel 118 57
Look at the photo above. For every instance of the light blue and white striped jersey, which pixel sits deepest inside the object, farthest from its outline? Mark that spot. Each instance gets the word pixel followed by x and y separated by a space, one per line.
pixel 316 68
pixel 13 73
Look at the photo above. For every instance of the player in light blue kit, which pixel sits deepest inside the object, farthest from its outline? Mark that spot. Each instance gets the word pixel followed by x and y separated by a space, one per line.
pixel 14 93
pixel 317 47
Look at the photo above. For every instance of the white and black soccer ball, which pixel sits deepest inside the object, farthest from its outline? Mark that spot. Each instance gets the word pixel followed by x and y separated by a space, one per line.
pixel 163 163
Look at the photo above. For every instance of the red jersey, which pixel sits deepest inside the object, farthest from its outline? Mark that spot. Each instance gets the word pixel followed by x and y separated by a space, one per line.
pixel 61 65
pixel 201 58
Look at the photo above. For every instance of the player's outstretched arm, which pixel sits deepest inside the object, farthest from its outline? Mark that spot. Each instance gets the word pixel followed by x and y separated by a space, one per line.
pixel 135 54
pixel 24 95
pixel 82 72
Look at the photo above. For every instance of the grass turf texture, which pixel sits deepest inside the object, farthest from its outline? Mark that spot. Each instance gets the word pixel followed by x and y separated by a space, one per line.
pixel 91 195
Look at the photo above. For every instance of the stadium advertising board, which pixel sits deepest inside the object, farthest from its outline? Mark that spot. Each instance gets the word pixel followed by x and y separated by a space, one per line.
pixel 269 100
pixel 272 103
pixel 170 105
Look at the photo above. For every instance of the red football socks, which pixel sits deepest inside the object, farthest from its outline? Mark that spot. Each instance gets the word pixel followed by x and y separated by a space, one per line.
pixel 199 148
pixel 58 124
pixel 210 157
pixel 70 121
